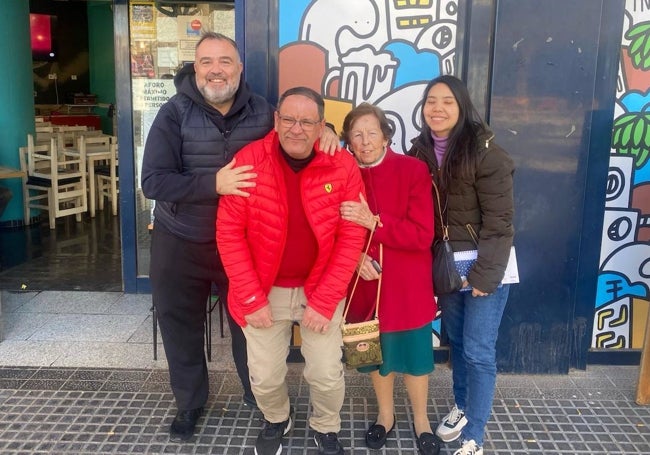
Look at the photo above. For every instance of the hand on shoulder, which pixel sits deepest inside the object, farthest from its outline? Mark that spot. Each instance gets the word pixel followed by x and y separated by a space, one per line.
pixel 233 179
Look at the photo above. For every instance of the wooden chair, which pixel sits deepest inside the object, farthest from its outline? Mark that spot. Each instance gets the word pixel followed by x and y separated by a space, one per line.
pixel 40 122
pixel 97 152
pixel 44 135
pixel 93 142
pixel 71 133
pixel 91 133
pixel 55 181
pixel 107 179
pixel 40 128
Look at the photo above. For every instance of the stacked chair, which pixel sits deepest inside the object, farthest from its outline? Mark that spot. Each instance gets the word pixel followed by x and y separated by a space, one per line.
pixel 55 180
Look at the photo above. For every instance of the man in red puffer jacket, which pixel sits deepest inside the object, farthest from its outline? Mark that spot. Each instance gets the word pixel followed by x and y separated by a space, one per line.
pixel 289 257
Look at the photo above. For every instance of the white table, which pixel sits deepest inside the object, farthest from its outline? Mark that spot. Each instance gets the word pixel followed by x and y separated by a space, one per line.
pixel 10 173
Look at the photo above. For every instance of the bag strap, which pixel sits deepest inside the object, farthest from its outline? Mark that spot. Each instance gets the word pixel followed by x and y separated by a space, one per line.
pixel 445 227
pixel 356 280
pixel 472 233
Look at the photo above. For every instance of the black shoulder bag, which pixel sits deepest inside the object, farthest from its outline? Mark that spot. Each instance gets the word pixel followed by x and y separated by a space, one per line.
pixel 446 279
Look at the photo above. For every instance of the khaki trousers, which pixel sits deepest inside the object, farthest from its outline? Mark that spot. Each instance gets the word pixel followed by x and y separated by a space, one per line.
pixel 267 362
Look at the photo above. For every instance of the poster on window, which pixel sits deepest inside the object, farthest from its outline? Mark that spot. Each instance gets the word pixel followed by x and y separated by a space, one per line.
pixel 142 59
pixel 143 21
pixel 189 33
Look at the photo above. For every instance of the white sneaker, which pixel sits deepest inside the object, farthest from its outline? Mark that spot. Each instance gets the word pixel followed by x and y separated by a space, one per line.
pixel 452 425
pixel 469 448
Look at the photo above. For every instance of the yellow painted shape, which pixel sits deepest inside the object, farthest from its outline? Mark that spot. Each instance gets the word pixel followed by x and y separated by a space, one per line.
pixel 622 318
pixel 605 314
pixel 602 338
pixel 335 112
pixel 640 310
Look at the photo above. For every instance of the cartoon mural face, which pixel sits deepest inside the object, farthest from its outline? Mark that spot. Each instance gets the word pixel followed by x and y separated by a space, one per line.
pixel 354 24
pixel 380 52
pixel 375 52
pixel 624 279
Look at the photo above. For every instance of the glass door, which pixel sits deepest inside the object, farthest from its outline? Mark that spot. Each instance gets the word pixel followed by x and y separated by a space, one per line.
pixel 162 39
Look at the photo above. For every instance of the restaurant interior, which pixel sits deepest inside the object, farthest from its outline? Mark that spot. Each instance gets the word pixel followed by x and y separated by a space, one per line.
pixel 69 235
pixel 95 65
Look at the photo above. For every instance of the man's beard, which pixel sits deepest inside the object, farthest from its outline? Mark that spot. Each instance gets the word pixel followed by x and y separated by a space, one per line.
pixel 219 96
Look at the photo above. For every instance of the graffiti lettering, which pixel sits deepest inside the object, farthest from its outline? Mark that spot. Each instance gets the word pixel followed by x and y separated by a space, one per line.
pixel 442 38
pixel 614 289
pixel 610 340
pixel 641 5
pixel 644 268
pixel 619 229
pixel 615 183
pixel 625 251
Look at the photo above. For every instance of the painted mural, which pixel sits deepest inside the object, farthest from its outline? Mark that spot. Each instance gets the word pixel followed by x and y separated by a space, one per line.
pixel 381 52
pixel 623 294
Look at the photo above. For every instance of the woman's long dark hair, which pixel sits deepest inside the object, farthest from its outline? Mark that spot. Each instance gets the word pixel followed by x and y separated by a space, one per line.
pixel 461 156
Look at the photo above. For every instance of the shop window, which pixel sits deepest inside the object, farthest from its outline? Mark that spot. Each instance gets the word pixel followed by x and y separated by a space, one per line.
pixel 163 35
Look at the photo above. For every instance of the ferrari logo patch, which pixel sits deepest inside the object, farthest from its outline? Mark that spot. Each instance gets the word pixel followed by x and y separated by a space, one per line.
pixel 328 187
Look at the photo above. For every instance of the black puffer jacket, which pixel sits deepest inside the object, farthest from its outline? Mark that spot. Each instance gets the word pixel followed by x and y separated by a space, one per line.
pixel 486 202
pixel 189 141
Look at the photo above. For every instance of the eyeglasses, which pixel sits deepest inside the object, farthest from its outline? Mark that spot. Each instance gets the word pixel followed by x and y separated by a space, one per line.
pixel 306 125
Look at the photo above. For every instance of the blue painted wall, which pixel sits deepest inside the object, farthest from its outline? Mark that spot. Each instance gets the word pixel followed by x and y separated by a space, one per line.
pixel 551 99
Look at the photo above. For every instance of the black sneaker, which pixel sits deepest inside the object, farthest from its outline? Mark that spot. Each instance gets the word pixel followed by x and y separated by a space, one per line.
pixel 328 444
pixel 182 428
pixel 269 441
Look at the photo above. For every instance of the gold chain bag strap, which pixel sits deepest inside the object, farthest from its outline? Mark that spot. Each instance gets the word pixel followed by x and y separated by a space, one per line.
pixel 361 345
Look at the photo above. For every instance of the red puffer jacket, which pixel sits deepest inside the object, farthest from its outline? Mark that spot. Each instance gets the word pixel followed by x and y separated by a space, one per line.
pixel 251 232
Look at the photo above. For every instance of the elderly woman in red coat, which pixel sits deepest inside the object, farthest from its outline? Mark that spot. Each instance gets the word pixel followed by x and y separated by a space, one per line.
pixel 399 196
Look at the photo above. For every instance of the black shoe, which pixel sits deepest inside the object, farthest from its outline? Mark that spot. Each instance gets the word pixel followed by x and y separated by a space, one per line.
pixel 269 441
pixel 428 443
pixel 182 428
pixel 328 444
pixel 249 400
pixel 376 435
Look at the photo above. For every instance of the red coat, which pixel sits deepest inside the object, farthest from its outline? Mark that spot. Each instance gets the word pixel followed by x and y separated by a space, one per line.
pixel 399 189
pixel 251 232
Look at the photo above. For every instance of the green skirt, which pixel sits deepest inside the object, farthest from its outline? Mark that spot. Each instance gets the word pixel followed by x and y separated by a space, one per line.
pixel 407 351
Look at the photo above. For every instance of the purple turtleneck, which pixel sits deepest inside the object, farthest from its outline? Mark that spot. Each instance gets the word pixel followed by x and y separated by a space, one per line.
pixel 439 147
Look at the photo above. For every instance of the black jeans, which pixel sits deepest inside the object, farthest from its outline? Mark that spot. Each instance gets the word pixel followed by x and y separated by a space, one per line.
pixel 181 274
